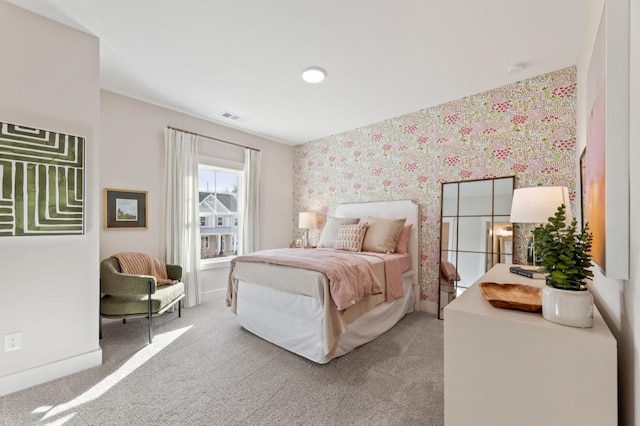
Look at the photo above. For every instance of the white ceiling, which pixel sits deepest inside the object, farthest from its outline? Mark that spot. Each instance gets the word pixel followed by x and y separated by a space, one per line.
pixel 384 58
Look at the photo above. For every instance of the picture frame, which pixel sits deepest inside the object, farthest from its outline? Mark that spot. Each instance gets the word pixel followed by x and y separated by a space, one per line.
pixel 583 187
pixel 607 153
pixel 42 182
pixel 125 209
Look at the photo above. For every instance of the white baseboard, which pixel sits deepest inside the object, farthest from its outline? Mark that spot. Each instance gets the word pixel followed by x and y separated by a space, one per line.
pixel 429 307
pixel 45 373
pixel 423 305
pixel 206 296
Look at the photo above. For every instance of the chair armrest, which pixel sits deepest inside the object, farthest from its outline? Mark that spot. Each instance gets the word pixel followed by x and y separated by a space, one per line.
pixel 119 284
pixel 174 272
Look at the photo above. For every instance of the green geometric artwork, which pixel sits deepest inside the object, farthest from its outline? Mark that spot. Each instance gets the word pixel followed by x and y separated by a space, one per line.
pixel 41 182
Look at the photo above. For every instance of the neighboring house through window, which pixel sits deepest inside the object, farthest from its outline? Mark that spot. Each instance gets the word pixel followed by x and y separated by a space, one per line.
pixel 218 190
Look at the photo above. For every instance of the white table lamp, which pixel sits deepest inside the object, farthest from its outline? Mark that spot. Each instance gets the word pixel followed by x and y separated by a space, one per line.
pixel 537 204
pixel 307 220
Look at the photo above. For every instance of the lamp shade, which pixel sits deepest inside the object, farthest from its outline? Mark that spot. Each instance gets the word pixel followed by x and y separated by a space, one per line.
pixel 307 220
pixel 538 203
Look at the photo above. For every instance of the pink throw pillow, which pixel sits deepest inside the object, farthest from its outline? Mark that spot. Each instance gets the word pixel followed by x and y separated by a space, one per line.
pixel 402 245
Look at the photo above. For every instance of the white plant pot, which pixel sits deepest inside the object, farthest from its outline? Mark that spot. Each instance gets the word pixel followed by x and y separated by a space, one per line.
pixel 567 307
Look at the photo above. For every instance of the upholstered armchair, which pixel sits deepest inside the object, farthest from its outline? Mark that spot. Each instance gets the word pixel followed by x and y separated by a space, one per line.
pixel 127 295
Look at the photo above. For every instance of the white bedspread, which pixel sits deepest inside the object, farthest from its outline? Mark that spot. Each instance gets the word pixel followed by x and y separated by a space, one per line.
pixel 310 283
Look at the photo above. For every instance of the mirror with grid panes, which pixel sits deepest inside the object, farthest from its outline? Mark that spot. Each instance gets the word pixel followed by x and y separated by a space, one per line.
pixel 475 233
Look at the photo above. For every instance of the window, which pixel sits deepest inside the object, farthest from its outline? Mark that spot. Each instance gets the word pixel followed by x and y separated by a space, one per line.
pixel 204 243
pixel 218 188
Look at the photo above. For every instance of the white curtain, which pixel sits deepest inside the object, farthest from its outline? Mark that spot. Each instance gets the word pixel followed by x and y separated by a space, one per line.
pixel 182 221
pixel 251 202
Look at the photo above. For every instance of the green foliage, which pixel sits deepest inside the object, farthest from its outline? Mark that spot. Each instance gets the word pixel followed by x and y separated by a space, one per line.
pixel 563 252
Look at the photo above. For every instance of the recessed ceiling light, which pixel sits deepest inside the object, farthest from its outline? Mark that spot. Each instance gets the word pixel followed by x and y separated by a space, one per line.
pixel 314 75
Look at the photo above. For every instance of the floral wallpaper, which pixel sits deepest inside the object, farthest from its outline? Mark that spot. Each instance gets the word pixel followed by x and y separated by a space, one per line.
pixel 526 129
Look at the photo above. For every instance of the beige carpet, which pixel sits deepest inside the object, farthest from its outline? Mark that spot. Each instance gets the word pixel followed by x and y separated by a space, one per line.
pixel 204 369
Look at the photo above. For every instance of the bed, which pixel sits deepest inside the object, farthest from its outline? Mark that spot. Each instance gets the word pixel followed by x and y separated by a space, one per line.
pixel 293 306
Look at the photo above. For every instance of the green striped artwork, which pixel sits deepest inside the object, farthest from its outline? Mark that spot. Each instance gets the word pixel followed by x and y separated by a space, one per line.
pixel 41 182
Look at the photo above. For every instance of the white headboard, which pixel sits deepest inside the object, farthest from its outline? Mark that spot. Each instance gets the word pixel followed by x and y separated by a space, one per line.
pixel 408 209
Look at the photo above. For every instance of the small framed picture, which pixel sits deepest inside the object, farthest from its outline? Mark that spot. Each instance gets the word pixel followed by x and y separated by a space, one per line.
pixel 583 186
pixel 125 209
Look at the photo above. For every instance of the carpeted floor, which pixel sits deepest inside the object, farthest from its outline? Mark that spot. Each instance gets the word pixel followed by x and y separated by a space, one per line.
pixel 204 369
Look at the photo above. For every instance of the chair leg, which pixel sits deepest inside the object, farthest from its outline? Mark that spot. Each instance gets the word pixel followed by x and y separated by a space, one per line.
pixel 150 313
pixel 180 308
pixel 100 310
pixel 124 320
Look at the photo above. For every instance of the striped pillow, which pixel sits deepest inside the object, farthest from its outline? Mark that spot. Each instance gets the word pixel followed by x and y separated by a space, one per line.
pixel 350 237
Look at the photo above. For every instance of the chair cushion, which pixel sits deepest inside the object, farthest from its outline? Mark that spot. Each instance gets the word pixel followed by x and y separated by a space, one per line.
pixel 123 305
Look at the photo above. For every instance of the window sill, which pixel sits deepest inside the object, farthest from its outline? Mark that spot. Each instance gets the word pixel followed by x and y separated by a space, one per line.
pixel 206 264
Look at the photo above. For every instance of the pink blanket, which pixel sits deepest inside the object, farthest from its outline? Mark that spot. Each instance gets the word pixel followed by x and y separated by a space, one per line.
pixel 350 277
pixel 143 264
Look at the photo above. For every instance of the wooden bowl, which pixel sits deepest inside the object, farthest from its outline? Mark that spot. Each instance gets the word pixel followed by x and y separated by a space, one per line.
pixel 513 296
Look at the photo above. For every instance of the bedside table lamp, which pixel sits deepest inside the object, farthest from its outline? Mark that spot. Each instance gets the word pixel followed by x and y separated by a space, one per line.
pixel 307 220
pixel 536 205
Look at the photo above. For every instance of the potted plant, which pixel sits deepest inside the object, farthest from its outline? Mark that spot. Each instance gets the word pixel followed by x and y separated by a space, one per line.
pixel 563 253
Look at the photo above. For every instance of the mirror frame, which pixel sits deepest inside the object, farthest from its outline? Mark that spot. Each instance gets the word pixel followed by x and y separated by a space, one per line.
pixel 456 220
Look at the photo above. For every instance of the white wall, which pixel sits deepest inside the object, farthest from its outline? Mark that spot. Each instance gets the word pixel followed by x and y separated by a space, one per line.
pixel 49 289
pixel 629 357
pixel 618 300
pixel 132 157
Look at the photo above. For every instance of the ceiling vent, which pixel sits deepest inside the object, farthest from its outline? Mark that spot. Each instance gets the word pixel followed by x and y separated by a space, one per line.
pixel 235 117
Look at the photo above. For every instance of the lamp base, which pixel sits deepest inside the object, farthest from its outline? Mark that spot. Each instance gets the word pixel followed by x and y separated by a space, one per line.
pixel 531 252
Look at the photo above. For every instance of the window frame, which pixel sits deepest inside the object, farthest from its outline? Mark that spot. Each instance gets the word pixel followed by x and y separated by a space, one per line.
pixel 209 164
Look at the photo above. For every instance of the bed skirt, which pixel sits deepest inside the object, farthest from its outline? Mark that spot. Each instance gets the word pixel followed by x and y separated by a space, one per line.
pixel 296 322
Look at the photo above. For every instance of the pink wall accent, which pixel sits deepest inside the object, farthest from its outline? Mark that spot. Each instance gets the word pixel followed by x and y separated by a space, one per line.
pixel 527 129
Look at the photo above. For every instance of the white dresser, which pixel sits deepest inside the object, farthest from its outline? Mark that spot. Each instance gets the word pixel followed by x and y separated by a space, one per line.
pixel 510 368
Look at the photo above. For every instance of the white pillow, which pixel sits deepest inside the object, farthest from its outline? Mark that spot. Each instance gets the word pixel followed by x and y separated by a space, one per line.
pixel 330 231
pixel 350 237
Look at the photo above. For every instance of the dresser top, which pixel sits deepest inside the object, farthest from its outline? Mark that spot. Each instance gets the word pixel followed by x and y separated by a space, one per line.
pixel 473 303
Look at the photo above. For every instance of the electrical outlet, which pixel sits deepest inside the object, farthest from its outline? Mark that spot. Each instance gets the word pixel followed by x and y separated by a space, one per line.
pixel 12 341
